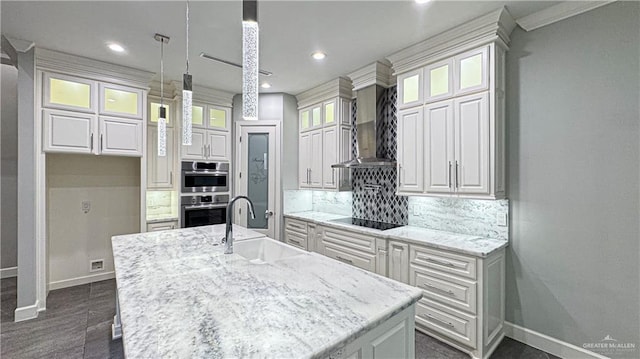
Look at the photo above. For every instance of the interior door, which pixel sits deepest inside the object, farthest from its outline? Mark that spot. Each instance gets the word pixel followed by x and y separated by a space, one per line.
pixel 257 176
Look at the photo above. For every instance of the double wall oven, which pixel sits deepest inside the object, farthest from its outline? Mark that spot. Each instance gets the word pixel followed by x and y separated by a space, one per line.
pixel 205 193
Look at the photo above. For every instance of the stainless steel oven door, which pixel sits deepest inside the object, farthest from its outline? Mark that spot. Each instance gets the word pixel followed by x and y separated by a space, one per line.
pixel 203 215
pixel 201 181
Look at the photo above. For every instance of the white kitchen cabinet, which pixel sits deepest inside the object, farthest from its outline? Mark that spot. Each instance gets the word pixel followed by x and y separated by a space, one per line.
pixel 363 251
pixel 154 111
pixel 325 136
pixel 398 267
pixel 120 136
pixel 72 132
pixel 160 170
pixel 162 226
pixel 218 142
pixel 410 89
pixel 471 71
pixel 209 145
pixel 68 132
pixel 410 155
pixel 472 144
pixel 196 150
pixel 439 147
pixel 120 101
pixel 70 93
pixel 296 233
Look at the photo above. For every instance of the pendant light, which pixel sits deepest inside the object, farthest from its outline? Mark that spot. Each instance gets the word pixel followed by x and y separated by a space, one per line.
pixel 162 117
pixel 187 94
pixel 250 59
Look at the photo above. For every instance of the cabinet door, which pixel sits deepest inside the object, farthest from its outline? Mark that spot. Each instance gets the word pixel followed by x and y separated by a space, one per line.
pixel 159 169
pixel 316 116
pixel 311 238
pixel 438 81
pixel 410 150
pixel 162 226
pixel 218 118
pixel 69 93
pixel 439 147
pixel 305 119
pixel 472 144
pixel 68 132
pixel 315 171
pixel 329 112
pixel 304 160
pixel 329 157
pixel 344 176
pixel 295 239
pixel 154 112
pixel 218 146
pixel 198 141
pixel 120 101
pixel 399 261
pixel 410 89
pixel 120 136
pixel 471 71
pixel 197 116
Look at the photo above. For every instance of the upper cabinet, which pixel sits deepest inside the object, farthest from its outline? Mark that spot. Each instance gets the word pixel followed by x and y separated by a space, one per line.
pixel 211 135
pixel 451 134
pixel 85 116
pixel 69 93
pixel 154 111
pixel 325 136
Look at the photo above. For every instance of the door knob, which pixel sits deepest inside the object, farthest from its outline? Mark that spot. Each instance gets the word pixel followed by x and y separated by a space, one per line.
pixel 268 214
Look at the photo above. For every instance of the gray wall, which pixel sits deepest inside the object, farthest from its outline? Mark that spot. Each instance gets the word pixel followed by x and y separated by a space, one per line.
pixel 290 142
pixel 573 144
pixel 9 170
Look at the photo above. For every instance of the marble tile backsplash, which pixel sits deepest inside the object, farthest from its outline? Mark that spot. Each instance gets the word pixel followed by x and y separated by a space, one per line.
pixel 297 201
pixel 320 201
pixel 467 216
pixel 162 204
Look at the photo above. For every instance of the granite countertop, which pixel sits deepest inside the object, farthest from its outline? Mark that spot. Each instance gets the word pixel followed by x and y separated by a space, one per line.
pixel 163 218
pixel 456 242
pixel 181 297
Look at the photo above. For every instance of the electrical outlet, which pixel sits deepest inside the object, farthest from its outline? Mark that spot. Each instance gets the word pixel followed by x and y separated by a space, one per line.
pixel 86 206
pixel 502 219
pixel 96 265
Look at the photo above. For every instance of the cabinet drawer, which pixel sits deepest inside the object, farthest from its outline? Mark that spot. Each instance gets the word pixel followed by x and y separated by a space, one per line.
pixel 349 239
pixel 443 261
pixel 451 323
pixel 361 260
pixel 295 225
pixel 295 239
pixel 450 290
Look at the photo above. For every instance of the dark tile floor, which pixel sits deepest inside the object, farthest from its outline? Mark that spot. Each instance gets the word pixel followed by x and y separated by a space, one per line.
pixel 77 324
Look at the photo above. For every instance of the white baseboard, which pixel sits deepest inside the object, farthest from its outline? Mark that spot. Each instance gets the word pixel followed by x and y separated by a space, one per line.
pixel 81 280
pixel 547 343
pixel 8 272
pixel 26 313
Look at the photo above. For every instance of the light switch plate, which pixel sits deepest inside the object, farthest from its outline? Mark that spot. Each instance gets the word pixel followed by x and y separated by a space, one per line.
pixel 502 219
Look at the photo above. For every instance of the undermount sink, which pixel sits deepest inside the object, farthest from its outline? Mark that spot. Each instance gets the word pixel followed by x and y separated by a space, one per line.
pixel 263 250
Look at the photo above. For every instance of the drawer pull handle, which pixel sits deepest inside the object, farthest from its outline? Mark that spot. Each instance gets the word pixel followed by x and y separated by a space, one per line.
pixel 431 286
pixel 429 316
pixel 294 240
pixel 444 263
pixel 344 260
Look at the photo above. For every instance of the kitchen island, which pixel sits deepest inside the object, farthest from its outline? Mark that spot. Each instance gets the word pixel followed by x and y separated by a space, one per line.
pixel 180 296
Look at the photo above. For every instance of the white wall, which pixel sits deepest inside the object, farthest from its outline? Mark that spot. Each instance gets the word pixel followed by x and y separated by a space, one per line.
pixel 574 164
pixel 112 185
pixel 9 170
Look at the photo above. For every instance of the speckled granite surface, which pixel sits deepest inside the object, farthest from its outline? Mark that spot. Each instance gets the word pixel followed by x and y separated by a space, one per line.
pixel 461 243
pixel 181 297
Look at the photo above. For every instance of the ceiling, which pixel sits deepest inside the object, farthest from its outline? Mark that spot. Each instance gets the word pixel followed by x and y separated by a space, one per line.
pixel 351 33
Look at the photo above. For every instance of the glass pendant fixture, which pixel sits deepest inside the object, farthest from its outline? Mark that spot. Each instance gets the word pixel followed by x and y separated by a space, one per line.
pixel 250 59
pixel 162 117
pixel 187 94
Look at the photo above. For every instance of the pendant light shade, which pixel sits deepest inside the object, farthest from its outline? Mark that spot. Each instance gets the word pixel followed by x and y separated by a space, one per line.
pixel 162 115
pixel 250 37
pixel 187 95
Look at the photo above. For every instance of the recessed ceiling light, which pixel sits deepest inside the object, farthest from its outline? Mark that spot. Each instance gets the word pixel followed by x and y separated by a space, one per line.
pixel 422 1
pixel 318 55
pixel 265 85
pixel 115 47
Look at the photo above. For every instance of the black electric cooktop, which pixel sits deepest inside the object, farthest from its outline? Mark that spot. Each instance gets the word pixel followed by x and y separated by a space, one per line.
pixel 367 223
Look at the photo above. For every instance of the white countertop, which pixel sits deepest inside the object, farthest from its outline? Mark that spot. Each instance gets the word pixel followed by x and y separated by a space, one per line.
pixel 181 297
pixel 456 242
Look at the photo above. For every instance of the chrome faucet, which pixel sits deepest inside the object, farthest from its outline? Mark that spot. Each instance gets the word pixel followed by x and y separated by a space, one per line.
pixel 228 238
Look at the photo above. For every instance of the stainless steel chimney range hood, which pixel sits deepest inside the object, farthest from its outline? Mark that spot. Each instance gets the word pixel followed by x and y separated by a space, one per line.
pixel 368 117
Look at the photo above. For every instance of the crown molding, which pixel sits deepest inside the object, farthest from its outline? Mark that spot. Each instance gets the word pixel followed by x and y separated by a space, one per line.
pixel 340 87
pixel 203 94
pixel 495 26
pixel 21 45
pixel 377 73
pixel 557 13
pixel 97 70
